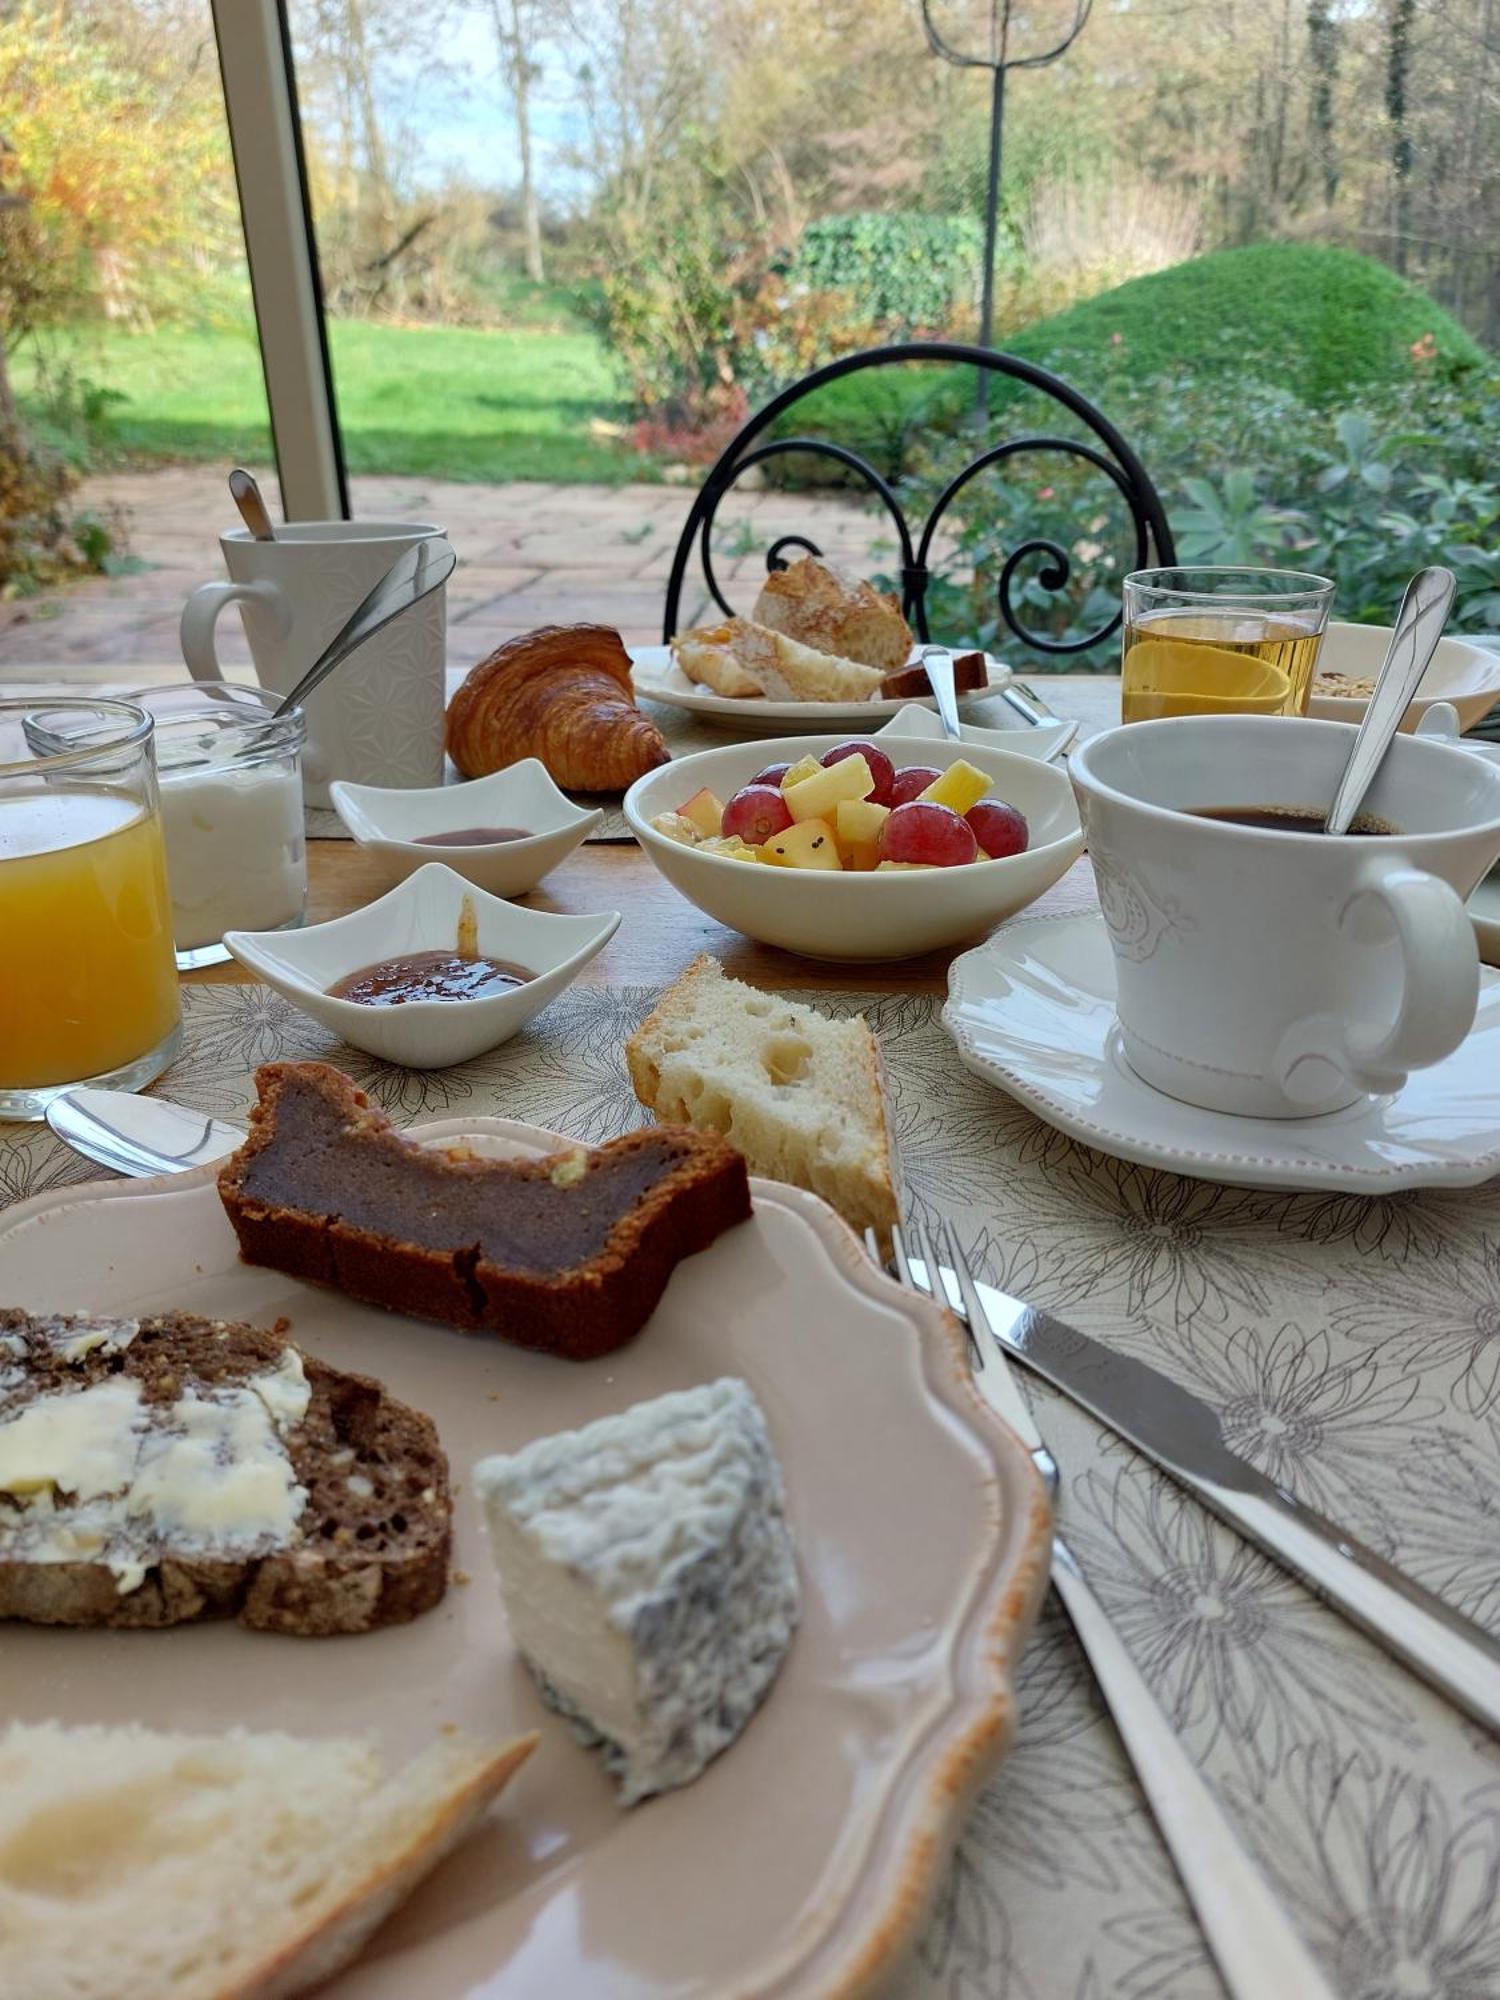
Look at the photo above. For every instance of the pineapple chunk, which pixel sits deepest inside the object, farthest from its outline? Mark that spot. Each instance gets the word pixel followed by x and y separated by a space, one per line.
pixel 811 843
pixel 818 797
pixel 858 823
pixel 705 812
pixel 902 867
pixel 731 846
pixel 805 767
pixel 960 786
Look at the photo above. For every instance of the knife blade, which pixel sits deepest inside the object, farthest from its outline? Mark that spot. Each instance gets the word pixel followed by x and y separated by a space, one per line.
pixel 1179 1432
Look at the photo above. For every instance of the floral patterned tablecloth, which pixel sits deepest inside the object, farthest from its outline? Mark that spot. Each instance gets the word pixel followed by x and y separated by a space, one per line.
pixel 1352 1346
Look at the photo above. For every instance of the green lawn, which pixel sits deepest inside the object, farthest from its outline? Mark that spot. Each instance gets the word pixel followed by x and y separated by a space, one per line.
pixel 447 402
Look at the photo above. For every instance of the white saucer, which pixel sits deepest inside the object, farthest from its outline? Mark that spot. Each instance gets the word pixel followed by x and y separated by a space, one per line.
pixel 1032 1011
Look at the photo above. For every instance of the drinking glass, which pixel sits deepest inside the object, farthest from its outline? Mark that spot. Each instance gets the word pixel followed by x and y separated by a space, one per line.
pixel 88 985
pixel 1220 641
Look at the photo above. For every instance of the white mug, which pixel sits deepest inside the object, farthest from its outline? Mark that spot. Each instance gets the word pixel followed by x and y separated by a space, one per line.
pixel 1282 974
pixel 378 720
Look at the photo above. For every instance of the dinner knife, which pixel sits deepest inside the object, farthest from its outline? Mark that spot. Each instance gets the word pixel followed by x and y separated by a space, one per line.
pixel 1179 1432
pixel 139 1135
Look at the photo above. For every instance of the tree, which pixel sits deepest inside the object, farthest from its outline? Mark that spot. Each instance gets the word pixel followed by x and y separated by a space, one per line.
pixel 1398 62
pixel 516 26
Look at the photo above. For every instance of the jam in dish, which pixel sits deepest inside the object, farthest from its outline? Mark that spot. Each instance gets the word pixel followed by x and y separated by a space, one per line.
pixel 428 975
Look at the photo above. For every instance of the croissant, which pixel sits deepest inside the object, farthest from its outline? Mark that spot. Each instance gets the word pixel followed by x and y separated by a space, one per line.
pixel 563 694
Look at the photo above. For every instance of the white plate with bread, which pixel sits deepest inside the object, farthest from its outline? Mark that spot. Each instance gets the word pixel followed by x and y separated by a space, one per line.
pixel 821 649
pixel 800 1862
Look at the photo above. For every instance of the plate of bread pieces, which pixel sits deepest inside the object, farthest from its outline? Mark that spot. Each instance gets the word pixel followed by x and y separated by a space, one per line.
pixel 819 647
pixel 429 1557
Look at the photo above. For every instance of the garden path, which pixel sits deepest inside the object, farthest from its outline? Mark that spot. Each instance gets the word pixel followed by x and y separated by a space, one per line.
pixel 530 554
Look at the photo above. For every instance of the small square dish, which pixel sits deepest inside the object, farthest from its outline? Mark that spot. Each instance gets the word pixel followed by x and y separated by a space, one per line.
pixel 405 830
pixel 1042 740
pixel 423 914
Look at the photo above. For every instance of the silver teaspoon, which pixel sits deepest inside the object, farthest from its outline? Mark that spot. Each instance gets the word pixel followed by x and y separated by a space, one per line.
pixel 139 1135
pixel 1425 606
pixel 414 573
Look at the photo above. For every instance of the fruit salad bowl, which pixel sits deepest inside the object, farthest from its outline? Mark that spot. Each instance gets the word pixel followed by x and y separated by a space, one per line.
pixel 863 911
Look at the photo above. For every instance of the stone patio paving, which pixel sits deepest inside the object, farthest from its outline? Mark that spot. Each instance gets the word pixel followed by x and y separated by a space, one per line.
pixel 529 555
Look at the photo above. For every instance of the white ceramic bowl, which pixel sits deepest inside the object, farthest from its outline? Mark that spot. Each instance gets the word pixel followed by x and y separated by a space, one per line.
pixel 388 823
pixel 865 916
pixel 422 914
pixel 1461 672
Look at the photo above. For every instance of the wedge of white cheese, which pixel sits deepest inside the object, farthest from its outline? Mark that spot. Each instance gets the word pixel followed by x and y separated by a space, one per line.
pixel 648 1576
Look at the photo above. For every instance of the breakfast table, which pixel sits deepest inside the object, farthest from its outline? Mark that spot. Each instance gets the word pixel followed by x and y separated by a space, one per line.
pixel 1350 1343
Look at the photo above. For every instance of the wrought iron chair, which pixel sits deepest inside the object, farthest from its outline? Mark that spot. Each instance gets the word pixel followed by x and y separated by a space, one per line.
pixel 1111 455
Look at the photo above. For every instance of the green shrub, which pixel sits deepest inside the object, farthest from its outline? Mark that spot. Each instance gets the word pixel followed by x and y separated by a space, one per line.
pixel 1319 322
pixel 904 272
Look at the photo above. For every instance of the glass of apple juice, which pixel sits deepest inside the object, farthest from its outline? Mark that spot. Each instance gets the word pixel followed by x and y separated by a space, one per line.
pixel 1220 641
pixel 88 982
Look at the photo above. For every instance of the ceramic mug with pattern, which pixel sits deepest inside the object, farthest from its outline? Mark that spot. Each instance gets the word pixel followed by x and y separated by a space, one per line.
pixel 1271 970
pixel 379 719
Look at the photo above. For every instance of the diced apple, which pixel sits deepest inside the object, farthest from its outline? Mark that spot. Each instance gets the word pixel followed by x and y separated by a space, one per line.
pixel 706 813
pixel 811 843
pixel 803 768
pixel 818 797
pixel 858 823
pixel 902 868
pixel 960 787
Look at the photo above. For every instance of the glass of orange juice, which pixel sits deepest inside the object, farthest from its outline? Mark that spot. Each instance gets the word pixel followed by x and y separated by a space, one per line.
pixel 88 982
pixel 1220 641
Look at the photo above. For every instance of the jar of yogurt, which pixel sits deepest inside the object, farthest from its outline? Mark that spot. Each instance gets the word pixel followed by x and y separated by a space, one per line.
pixel 230 779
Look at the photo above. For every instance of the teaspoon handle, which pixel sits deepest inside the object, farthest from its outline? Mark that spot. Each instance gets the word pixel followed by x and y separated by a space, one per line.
pixel 1425 606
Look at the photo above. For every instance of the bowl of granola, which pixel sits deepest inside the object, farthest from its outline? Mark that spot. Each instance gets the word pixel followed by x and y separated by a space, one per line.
pixel 1463 673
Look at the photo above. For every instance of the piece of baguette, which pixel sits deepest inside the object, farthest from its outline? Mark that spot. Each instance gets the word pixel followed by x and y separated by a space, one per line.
pixel 163 1538
pixel 822 606
pixel 801 1096
pixel 706 655
pixel 145 1866
pixel 790 671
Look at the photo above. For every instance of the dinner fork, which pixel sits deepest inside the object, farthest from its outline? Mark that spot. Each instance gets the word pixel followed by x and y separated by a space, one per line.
pixel 1257 1951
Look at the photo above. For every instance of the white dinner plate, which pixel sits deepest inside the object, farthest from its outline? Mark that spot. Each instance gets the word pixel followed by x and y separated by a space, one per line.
pixel 1032 1011
pixel 658 677
pixel 802 1861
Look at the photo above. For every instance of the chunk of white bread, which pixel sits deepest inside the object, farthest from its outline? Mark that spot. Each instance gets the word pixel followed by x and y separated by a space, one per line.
pixel 741 658
pixel 142 1866
pixel 803 1097
pixel 790 671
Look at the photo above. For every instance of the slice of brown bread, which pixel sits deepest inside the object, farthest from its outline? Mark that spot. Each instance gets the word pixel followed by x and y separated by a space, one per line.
pixel 569 1253
pixel 369 1546
pixel 970 673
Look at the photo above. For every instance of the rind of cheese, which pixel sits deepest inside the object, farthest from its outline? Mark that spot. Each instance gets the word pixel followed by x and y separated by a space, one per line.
pixel 648 1575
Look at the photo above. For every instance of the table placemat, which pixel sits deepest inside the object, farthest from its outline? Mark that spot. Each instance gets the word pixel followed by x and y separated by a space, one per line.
pixel 1352 1347
pixel 684 734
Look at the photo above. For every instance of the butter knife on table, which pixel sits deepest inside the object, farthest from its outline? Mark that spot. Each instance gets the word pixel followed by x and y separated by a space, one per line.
pixel 1181 1434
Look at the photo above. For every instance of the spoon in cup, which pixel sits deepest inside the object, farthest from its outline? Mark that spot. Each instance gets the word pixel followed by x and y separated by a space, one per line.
pixel 1425 606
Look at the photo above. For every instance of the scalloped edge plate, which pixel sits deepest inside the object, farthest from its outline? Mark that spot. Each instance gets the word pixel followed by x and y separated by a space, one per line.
pixel 803 1860
pixel 1032 1011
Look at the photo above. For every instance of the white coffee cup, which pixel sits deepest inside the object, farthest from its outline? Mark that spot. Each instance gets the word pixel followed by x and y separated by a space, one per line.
pixel 1280 974
pixel 379 719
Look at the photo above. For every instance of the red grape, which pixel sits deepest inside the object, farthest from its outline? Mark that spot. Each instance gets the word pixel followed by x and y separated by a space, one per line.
pixel 1000 829
pixel 910 781
pixel 755 813
pixel 923 831
pixel 882 770
pixel 771 775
